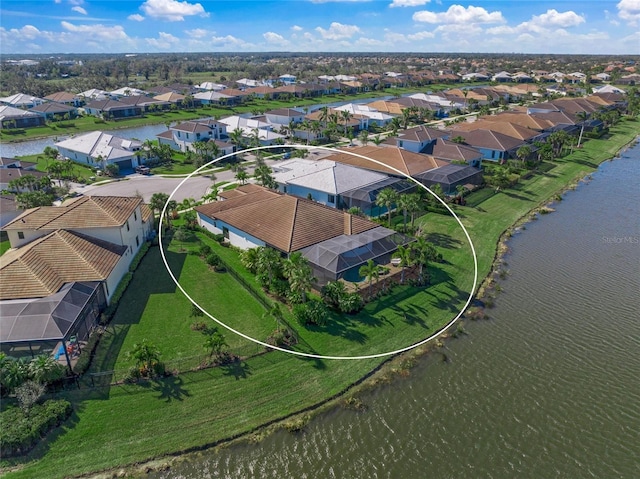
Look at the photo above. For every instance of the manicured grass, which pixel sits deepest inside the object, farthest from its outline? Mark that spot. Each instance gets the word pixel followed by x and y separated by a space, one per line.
pixel 127 424
pixel 4 246
pixel 80 171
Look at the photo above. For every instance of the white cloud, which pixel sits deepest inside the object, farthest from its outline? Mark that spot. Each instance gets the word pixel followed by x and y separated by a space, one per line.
pixel 102 32
pixel 229 41
pixel 275 39
pixel 553 18
pixel 457 14
pixel 199 32
pixel 79 10
pixel 172 10
pixel 164 41
pixel 136 17
pixel 541 24
pixel 408 3
pixel 370 42
pixel 76 2
pixel 629 11
pixel 421 35
pixel 338 31
pixel 297 28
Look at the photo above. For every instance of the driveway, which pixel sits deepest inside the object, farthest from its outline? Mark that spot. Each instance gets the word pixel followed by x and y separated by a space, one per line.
pixel 146 186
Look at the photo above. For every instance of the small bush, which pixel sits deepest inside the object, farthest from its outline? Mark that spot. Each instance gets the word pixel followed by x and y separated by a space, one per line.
pixel 204 250
pixel 199 326
pixel 84 361
pixel 350 303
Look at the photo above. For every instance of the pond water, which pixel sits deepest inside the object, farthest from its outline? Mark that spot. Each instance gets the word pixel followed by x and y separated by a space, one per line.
pixel 549 387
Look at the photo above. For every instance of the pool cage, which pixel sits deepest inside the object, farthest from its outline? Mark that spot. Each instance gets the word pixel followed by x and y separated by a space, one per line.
pixel 365 196
pixel 342 256
pixel 43 326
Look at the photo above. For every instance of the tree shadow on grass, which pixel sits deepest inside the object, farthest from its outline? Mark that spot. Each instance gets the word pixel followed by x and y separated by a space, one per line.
pixel 238 369
pixel 170 388
pixel 443 240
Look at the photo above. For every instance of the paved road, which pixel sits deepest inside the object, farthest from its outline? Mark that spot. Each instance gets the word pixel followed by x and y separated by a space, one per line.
pixel 146 186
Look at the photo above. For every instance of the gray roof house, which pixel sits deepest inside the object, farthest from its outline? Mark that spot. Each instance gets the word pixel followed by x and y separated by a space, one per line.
pixel 99 149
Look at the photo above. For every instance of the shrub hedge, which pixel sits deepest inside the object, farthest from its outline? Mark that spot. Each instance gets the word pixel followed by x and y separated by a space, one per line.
pixel 20 432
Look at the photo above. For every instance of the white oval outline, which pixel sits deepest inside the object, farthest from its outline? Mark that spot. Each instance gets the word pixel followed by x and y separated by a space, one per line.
pixel 299 353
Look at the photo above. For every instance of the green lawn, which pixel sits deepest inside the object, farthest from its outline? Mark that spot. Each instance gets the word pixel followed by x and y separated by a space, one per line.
pixel 132 423
pixel 4 246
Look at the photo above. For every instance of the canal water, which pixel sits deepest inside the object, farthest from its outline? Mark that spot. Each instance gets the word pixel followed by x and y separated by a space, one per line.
pixel 549 387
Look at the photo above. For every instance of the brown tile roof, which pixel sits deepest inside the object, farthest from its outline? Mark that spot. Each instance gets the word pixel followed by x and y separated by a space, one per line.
pixel 522 119
pixel 407 162
pixel 61 97
pixel 43 266
pixel 489 139
pixel 285 222
pixel 504 127
pixel 422 133
pixel 235 198
pixel 82 212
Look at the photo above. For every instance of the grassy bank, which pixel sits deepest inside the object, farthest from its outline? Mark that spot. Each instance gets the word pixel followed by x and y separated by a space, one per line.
pixel 132 423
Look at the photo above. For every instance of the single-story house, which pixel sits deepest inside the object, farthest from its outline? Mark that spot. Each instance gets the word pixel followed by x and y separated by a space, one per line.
pixel 112 109
pixel 389 160
pixel 493 146
pixel 451 176
pixel 55 111
pixel 99 149
pixel 22 100
pixel 262 217
pixel 65 98
pixel 419 139
pixel 11 117
pixel 322 181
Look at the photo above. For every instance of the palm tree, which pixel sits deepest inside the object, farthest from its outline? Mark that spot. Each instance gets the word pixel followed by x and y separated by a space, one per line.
pixel 346 116
pixel 146 355
pixel 404 204
pixel 387 198
pixel 424 253
pixel 324 115
pixel 377 140
pixel 236 138
pixel 582 117
pixel 297 270
pixel 263 174
pixel 364 137
pixel 523 153
pixel 268 265
pixel 405 254
pixel 369 271
pixel 242 176
pixel 332 292
pixel 157 202
pixel 412 203
pixel 249 259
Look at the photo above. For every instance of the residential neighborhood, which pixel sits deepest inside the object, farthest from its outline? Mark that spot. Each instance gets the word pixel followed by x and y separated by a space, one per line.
pixel 358 211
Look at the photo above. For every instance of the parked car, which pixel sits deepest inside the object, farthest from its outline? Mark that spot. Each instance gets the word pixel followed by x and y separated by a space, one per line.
pixel 143 170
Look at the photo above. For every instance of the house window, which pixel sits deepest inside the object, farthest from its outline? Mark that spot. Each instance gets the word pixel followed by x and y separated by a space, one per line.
pixel 135 216
pixel 127 225
pixel 332 199
pixel 225 232
pixel 20 235
pixel 137 241
pixel 400 144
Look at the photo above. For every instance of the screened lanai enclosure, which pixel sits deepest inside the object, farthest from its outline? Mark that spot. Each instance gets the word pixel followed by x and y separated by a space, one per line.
pixel 451 176
pixel 365 196
pixel 342 256
pixel 44 326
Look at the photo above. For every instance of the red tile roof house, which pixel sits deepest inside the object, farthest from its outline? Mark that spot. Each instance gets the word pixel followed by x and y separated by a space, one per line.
pixel 255 216
pixel 63 268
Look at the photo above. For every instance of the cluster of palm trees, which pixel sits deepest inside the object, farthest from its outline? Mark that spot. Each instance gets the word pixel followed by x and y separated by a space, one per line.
pixel 289 277
pixel 409 203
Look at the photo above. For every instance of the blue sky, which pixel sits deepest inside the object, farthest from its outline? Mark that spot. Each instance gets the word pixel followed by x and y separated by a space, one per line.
pixel 136 26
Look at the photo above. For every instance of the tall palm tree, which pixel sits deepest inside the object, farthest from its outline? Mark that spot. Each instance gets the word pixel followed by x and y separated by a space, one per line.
pixel 242 176
pixel 324 115
pixel 364 137
pixel 405 254
pixel 424 253
pixel 387 198
pixel 582 116
pixel 345 116
pixel 268 265
pixel 370 270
